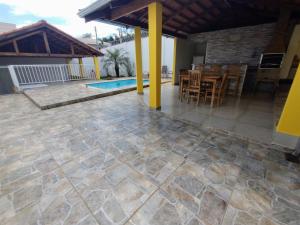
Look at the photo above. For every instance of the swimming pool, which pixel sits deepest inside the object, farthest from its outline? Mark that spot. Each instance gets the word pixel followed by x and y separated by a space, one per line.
pixel 116 84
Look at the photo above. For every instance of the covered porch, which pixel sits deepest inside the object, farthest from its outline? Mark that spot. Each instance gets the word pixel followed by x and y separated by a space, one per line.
pixel 209 33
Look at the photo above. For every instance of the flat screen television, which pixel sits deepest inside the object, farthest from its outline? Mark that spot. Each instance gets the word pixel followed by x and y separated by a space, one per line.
pixel 271 60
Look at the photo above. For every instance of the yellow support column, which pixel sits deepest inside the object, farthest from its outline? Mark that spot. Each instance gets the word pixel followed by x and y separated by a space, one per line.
pixel 289 122
pixel 138 59
pixel 97 68
pixel 81 68
pixel 155 32
pixel 174 62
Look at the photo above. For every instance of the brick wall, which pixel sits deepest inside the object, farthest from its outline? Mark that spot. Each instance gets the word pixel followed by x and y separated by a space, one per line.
pixel 237 45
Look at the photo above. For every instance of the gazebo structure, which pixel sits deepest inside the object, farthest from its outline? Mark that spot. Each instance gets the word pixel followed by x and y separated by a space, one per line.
pixel 43 44
pixel 43 40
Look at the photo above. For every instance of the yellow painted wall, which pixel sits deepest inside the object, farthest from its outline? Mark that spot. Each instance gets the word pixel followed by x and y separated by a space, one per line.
pixel 293 49
pixel 289 122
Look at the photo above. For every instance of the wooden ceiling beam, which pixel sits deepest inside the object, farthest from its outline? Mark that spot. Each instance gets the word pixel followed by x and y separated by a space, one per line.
pixel 125 20
pixel 72 49
pixel 47 47
pixel 179 12
pixel 41 55
pixel 205 9
pixel 174 27
pixel 195 18
pixel 63 40
pixel 16 46
pixel 28 35
pixel 129 8
pixel 20 37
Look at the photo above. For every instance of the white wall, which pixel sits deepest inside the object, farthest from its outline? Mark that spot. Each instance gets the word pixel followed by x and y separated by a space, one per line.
pixel 167 54
pixel 6 85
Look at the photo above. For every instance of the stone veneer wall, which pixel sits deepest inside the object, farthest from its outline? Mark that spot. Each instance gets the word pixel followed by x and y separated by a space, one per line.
pixel 237 45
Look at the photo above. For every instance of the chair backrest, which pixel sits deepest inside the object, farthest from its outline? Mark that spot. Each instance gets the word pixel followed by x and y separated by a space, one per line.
pixel 234 70
pixel 164 69
pixel 183 72
pixel 215 68
pixel 199 67
pixel 223 84
pixel 195 78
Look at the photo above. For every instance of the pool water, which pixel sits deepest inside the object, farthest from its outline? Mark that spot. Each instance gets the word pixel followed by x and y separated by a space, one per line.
pixel 116 84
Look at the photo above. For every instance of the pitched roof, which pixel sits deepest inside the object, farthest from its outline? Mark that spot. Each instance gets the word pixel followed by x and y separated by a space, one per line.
pixel 42 38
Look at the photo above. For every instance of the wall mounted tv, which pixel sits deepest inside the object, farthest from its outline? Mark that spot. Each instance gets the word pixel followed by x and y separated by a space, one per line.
pixel 271 60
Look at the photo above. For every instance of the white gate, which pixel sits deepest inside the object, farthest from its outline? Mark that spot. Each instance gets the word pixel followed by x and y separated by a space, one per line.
pixel 50 73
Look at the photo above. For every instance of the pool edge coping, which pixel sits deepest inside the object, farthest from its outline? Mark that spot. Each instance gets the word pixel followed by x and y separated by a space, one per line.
pixel 87 98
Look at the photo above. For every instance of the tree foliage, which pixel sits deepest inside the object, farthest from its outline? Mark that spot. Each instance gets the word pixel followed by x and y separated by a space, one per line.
pixel 116 58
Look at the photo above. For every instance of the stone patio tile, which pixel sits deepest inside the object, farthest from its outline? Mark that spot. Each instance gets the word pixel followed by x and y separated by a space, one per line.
pixel 94 163
pixel 44 200
pixel 112 190
pixel 257 151
pixel 230 215
pixel 158 210
pixel 23 161
pixel 217 178
pixel 69 146
pixel 156 162
pixel 245 219
pixel 284 177
pixel 267 221
pixel 212 209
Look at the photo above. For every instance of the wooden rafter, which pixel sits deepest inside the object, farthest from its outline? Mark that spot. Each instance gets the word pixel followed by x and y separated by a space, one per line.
pixel 19 38
pixel 46 42
pixel 180 12
pixel 41 55
pixel 72 49
pixel 182 24
pixel 28 35
pixel 126 20
pixel 16 46
pixel 127 9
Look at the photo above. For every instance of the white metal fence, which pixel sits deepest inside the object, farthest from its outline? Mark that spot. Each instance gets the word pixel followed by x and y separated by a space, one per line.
pixel 50 73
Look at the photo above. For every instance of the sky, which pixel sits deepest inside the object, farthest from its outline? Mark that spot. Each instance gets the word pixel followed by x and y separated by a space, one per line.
pixel 60 13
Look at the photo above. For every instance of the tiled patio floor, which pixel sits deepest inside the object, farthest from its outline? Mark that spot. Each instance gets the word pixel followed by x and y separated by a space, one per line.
pixel 112 161
pixel 252 116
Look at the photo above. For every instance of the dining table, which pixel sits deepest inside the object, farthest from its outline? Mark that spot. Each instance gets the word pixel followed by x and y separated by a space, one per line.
pixel 214 79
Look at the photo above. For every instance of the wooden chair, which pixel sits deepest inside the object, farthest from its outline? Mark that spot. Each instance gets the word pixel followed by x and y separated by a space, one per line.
pixel 183 83
pixel 213 69
pixel 194 90
pixel 216 69
pixel 234 73
pixel 219 92
pixel 199 67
